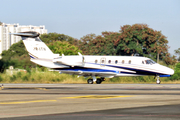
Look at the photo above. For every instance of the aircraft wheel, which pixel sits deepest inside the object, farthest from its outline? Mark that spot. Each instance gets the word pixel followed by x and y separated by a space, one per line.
pixel 158 82
pixel 98 81
pixel 90 81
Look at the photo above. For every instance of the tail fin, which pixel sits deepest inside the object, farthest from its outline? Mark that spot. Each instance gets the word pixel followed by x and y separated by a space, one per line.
pixel 35 47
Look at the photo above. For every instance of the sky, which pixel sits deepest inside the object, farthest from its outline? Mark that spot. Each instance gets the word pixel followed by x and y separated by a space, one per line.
pixel 78 18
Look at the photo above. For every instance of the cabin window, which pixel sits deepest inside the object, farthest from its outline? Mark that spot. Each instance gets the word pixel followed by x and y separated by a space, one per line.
pixel 122 61
pixel 109 61
pixel 116 61
pixel 129 61
pixel 96 61
pixel 102 61
pixel 142 62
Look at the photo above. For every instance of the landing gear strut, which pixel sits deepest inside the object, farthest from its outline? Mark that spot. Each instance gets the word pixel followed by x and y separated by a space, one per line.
pixel 158 81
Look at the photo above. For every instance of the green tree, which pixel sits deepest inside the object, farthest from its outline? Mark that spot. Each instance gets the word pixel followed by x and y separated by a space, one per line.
pixel 50 37
pixel 177 52
pixel 130 40
pixel 17 49
pixel 98 45
pixel 141 39
pixel 16 56
pixel 63 48
pixel 84 43
pixel 176 75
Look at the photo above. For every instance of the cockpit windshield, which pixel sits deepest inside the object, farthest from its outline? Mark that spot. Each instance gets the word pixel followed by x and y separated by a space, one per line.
pixel 149 61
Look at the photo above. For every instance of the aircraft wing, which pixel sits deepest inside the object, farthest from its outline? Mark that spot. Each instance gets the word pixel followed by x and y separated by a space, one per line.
pixel 87 73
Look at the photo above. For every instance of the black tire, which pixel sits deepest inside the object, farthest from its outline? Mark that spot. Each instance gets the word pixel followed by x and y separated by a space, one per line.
pixel 102 79
pixel 98 81
pixel 90 81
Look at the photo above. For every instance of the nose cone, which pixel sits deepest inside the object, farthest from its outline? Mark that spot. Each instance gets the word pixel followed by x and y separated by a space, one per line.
pixel 166 70
pixel 171 71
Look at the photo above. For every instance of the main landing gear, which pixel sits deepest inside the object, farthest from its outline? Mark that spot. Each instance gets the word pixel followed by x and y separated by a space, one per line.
pixel 98 80
pixel 158 81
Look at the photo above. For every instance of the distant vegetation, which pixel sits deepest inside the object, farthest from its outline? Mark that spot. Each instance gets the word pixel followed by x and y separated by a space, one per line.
pixel 137 39
pixel 18 57
pixel 176 75
pixel 44 76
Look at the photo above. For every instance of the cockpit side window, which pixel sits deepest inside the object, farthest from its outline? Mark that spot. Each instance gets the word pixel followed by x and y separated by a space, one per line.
pixel 153 62
pixel 150 62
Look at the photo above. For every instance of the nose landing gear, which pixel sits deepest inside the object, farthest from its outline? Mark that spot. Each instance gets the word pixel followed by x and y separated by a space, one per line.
pixel 158 81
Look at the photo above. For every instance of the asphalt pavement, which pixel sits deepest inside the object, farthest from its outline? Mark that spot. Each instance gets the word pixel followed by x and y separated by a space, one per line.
pixel 84 101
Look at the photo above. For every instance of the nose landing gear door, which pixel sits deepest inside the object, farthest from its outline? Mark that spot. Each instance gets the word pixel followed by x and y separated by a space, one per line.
pixel 103 62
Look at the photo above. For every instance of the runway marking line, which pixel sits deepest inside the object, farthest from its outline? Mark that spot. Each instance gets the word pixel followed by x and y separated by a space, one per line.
pixel 96 97
pixel 41 88
pixel 22 102
pixel 37 88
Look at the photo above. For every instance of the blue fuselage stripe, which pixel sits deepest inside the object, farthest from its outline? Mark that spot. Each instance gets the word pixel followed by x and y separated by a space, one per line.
pixel 137 71
pixel 88 70
pixel 32 57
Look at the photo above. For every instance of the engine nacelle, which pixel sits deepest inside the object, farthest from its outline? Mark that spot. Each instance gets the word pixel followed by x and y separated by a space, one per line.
pixel 70 60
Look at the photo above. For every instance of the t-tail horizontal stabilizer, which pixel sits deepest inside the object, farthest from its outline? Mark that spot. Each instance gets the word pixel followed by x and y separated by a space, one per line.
pixel 27 34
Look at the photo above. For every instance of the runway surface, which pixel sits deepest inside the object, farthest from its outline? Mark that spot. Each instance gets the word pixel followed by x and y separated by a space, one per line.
pixel 90 101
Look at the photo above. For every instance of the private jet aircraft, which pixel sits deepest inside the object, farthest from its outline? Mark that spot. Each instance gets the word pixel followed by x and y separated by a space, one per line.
pixel 91 65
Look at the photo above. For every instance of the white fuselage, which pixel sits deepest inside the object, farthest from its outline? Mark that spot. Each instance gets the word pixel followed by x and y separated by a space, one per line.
pixel 90 65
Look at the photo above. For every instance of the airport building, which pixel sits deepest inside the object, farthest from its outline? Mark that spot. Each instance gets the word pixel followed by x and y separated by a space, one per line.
pixel 6 39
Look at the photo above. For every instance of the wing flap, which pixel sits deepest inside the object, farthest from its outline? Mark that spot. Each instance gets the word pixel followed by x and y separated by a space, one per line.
pixel 86 73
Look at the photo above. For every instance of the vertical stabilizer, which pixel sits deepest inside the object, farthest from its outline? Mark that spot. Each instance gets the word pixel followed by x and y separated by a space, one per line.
pixel 35 47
